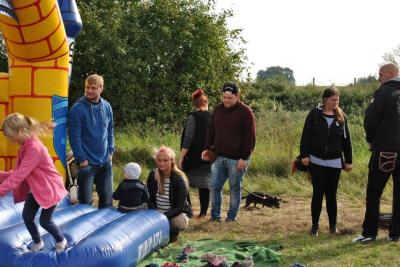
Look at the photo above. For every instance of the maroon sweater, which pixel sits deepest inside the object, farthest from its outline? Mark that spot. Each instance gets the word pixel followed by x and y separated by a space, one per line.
pixel 232 132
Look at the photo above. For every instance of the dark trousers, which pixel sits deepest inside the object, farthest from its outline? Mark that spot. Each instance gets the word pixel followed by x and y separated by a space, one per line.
pixel 377 178
pixel 325 181
pixel 31 207
pixel 102 177
pixel 204 195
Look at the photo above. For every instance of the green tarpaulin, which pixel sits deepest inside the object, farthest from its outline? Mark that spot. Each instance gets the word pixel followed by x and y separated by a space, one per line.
pixel 263 255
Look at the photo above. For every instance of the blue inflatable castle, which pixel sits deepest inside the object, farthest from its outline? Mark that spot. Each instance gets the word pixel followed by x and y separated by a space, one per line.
pixel 96 237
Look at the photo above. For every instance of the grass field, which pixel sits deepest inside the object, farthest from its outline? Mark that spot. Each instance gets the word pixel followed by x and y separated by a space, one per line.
pixel 278 134
pixel 289 227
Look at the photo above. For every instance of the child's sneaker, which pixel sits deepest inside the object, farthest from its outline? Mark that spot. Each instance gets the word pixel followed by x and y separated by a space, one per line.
pixel 183 257
pixel 37 246
pixel 60 246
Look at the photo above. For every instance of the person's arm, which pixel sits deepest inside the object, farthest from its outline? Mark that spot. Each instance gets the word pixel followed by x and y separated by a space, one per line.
pixel 4 175
pixel 145 195
pixel 74 134
pixel 180 192
pixel 152 198
pixel 373 115
pixel 209 140
pixel 305 143
pixel 210 134
pixel 249 134
pixel 110 137
pixel 29 162
pixel 346 141
pixel 189 133
pixel 116 194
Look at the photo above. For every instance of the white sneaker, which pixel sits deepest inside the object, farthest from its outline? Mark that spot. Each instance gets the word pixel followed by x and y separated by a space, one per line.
pixel 363 239
pixel 37 246
pixel 60 246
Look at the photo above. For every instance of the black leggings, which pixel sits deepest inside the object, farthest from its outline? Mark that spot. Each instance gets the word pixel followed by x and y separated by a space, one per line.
pixel 204 195
pixel 31 207
pixel 325 181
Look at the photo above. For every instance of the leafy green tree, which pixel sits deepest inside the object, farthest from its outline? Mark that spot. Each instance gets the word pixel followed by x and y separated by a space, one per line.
pixel 276 73
pixel 153 55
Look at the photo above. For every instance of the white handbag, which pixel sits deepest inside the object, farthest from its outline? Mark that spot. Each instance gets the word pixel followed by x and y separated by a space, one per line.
pixel 73 183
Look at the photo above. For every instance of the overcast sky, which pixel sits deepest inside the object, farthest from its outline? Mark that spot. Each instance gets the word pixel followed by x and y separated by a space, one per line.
pixel 333 41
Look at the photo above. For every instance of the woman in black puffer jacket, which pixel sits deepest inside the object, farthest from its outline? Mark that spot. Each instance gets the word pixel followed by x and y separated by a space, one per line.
pixel 326 149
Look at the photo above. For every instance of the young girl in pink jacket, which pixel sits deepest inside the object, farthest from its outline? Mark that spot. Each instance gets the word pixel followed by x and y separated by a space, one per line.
pixel 35 178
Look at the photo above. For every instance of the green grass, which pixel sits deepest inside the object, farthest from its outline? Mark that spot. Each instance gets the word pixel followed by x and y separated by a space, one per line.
pixel 278 135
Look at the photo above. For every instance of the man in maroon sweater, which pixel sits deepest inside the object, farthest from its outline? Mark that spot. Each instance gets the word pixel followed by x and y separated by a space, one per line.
pixel 232 137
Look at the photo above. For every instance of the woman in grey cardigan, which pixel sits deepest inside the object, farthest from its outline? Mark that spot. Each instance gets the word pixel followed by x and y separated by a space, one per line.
pixel 192 144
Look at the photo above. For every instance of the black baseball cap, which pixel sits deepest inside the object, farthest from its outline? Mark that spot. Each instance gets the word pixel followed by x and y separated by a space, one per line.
pixel 230 87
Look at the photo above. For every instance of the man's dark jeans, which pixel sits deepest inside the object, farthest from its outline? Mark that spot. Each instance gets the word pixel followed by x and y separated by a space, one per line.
pixel 101 176
pixel 381 167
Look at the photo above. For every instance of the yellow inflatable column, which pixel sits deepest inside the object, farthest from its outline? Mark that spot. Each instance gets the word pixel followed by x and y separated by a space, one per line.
pixel 37 84
pixel 4 160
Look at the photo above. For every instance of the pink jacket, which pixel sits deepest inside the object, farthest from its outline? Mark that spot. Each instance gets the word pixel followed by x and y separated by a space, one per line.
pixel 35 172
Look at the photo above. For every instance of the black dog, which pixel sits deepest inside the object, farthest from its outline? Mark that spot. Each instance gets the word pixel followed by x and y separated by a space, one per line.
pixel 261 198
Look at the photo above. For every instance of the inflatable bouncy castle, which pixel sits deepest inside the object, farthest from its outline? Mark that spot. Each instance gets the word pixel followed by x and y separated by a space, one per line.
pixel 39 36
pixel 96 237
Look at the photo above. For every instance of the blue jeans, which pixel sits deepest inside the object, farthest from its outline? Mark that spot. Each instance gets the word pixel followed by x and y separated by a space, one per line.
pixel 225 168
pixel 101 176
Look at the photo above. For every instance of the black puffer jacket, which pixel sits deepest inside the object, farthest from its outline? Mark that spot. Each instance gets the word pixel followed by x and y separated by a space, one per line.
pixel 382 118
pixel 325 142
pixel 178 195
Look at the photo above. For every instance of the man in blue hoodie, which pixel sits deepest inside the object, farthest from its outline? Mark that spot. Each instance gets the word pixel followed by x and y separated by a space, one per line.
pixel 91 136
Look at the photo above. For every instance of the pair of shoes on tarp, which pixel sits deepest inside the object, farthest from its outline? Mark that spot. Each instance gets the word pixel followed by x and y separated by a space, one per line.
pixel 184 254
pixel 213 260
pixel 248 262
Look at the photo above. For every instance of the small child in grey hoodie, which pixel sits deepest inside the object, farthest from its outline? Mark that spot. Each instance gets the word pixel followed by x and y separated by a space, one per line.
pixel 131 192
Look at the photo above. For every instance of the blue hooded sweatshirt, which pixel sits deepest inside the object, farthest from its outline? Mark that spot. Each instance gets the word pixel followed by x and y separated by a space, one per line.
pixel 90 131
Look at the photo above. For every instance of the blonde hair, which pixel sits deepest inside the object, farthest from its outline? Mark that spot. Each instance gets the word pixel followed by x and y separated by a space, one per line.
pixel 174 167
pixel 331 91
pixel 16 122
pixel 94 79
